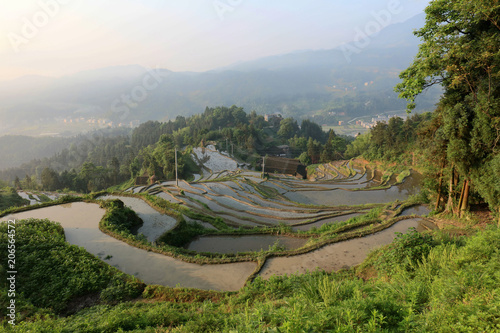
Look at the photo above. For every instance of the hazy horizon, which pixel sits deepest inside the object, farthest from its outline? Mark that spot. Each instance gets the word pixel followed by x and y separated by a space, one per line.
pixel 56 38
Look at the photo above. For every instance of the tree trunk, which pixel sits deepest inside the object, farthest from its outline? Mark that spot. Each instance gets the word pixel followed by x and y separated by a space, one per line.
pixel 449 204
pixel 439 186
pixel 465 199
pixel 458 210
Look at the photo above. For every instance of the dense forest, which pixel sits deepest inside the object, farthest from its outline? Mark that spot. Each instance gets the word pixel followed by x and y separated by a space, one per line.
pixel 101 161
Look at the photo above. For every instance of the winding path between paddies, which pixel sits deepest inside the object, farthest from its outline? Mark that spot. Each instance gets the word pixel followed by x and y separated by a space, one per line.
pixel 81 227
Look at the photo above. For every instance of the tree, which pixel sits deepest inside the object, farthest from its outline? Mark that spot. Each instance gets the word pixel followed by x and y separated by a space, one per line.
pixel 17 183
pixel 288 128
pixel 114 165
pixel 297 145
pixel 309 129
pixel 359 146
pixel 328 152
pixel 94 178
pixel 28 182
pixel 50 180
pixel 460 50
pixel 304 159
pixel 313 150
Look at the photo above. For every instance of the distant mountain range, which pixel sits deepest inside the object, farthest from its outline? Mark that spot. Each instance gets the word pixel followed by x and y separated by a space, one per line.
pixel 324 83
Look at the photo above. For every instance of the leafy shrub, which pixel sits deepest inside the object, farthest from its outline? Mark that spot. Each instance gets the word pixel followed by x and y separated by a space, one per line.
pixel 10 198
pixel 120 218
pixel 406 250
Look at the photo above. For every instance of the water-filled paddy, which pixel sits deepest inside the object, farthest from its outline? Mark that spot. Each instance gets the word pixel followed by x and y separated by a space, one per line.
pixel 235 244
pixel 80 222
pixel 335 256
pixel 342 197
pixel 416 210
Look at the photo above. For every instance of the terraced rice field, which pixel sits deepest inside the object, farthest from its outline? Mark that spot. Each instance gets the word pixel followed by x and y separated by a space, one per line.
pixel 299 225
pixel 335 192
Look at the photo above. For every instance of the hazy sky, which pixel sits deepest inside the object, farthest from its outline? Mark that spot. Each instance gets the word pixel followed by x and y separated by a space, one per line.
pixel 59 37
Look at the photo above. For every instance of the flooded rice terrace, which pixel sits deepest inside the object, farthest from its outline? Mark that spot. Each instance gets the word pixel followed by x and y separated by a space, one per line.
pixel 81 227
pixel 235 244
pixel 357 193
pixel 242 199
pixel 335 256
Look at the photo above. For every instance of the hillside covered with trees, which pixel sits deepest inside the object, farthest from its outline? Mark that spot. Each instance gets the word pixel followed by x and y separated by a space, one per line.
pixel 102 161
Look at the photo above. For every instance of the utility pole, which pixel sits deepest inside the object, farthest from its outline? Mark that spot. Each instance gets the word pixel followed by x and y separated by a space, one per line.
pixel 176 175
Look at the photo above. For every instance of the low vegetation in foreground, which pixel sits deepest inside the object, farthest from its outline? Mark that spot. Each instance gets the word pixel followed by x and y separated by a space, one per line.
pixel 419 283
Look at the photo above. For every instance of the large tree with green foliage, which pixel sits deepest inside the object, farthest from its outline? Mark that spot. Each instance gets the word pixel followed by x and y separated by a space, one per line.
pixel 460 50
pixel 50 179
pixel 288 128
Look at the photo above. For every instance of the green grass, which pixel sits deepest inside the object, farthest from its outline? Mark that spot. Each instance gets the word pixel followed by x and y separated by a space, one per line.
pixel 402 175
